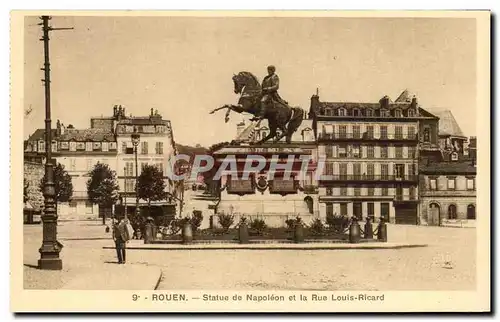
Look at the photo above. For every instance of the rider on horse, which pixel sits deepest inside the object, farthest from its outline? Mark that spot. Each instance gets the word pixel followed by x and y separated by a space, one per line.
pixel 270 86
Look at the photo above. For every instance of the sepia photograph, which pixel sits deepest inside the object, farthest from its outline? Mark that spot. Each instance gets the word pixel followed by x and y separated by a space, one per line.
pixel 251 161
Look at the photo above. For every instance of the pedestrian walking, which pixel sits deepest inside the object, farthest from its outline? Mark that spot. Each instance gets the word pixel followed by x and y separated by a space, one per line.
pixel 119 236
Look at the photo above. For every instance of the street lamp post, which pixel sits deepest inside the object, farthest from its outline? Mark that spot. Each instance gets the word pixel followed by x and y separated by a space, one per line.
pixel 50 249
pixel 136 138
pixel 125 192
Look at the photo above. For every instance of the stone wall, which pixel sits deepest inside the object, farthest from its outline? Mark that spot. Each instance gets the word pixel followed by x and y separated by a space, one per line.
pixel 461 203
pixel 33 173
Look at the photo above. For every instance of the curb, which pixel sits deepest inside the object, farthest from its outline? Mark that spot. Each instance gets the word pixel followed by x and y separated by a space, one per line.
pixel 276 247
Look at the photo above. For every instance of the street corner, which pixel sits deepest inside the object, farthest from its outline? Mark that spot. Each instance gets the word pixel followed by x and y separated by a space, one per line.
pixel 114 276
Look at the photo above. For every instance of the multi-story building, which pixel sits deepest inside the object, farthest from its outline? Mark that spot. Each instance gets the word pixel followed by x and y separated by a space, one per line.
pixel 156 147
pixel 371 158
pixel 108 140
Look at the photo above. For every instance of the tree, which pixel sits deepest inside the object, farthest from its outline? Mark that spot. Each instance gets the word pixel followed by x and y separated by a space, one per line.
pixel 62 184
pixel 151 185
pixel 102 187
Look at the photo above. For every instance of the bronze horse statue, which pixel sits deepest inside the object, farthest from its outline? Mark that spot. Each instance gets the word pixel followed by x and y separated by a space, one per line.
pixel 281 116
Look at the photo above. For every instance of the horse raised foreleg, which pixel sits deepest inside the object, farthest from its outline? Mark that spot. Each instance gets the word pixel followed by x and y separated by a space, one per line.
pixel 220 108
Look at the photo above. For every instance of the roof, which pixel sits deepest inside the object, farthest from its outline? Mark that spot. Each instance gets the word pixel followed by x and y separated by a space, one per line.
pixel 39 134
pixel 441 168
pixel 144 121
pixel 404 97
pixel 447 124
pixel 86 135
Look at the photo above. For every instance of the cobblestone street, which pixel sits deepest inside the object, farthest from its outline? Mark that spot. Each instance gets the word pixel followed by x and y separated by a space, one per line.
pixel 399 269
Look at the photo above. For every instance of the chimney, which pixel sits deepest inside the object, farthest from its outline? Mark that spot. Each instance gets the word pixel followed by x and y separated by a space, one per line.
pixel 63 129
pixel 414 102
pixel 58 128
pixel 384 102
pixel 115 110
pixel 152 112
pixel 314 109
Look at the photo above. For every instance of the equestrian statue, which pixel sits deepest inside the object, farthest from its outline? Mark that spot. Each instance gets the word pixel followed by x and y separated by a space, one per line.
pixel 264 102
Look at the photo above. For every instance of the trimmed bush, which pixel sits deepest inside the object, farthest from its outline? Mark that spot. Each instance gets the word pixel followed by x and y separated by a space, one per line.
pixel 258 225
pixel 226 221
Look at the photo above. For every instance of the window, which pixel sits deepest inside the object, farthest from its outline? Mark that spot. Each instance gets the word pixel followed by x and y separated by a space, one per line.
pixel 129 169
pixel 329 191
pixel 384 210
pixel 342 152
pixel 411 152
pixel 356 131
pixel 398 130
pixel 342 131
pixel 329 151
pixel 384 152
pixel 412 169
pixel 454 156
pixel 105 146
pixel 89 207
pixel 384 113
pixel 328 112
pixel 399 151
pixel 384 171
pixel 41 146
pixel 371 209
pixel 72 204
pixel 64 145
pixel 397 113
pixel 329 168
pixel 343 209
pixel 411 132
pixel 329 209
pixel 72 164
pixel 451 183
pixel 341 112
pixel 130 185
pixel 88 146
pixel 89 164
pixel 369 131
pixel 355 112
pixel 159 148
pixel 413 193
pixel 369 112
pixel 411 112
pixel 356 151
pixel 80 145
pixel 427 135
pixel 371 190
pixel 471 212
pixel 112 145
pixel 470 184
pixel 72 146
pixel 343 170
pixel 399 192
pixel 399 171
pixel 383 132
pixel 452 212
pixel 370 151
pixel 370 169
pixel 385 191
pixel 433 184
pixel 357 191
pixel 343 190
pixel 54 146
pixel 357 169
pixel 124 147
pixel 144 147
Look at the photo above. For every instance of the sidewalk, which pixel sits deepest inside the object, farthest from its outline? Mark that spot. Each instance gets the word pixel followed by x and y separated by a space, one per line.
pixel 118 277
pixel 139 245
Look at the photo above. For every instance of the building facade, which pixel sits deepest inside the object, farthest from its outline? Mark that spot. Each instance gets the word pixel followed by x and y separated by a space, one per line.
pixel 371 157
pixel 107 141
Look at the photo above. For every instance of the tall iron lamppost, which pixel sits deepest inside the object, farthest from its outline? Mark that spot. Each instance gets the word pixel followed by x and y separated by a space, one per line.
pixel 136 138
pixel 125 192
pixel 50 249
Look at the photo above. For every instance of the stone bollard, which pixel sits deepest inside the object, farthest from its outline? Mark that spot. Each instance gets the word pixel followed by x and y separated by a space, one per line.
pixel 154 231
pixel 148 233
pixel 298 235
pixel 368 228
pixel 243 233
pixel 382 231
pixel 354 232
pixel 187 233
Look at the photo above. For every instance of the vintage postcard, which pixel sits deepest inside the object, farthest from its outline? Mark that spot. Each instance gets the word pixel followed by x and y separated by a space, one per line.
pixel 267 161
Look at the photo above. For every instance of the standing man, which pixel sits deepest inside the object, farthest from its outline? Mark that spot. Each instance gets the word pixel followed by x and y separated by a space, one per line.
pixel 121 236
pixel 270 86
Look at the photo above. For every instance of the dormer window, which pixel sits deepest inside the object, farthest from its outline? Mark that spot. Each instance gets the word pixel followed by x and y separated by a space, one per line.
pixel 328 112
pixel 411 112
pixel 342 112
pixel 384 113
pixel 397 112
pixel 369 112
pixel 454 156
pixel 355 112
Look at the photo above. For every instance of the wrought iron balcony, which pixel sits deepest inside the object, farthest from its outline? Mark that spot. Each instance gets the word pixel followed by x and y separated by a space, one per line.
pixel 366 136
pixel 368 178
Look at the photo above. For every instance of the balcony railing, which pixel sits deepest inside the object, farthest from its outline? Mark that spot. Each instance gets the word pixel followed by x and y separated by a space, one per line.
pixel 370 178
pixel 367 136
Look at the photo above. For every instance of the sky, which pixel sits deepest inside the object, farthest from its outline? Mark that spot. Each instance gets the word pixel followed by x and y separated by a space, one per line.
pixel 182 66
